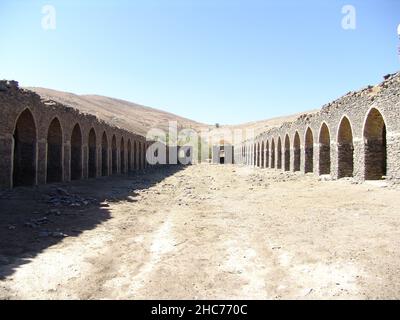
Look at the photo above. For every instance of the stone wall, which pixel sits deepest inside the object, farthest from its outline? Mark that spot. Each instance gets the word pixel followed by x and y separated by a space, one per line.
pixel 356 136
pixel 43 141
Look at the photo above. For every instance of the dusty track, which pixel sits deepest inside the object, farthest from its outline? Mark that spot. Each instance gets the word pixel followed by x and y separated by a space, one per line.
pixel 217 232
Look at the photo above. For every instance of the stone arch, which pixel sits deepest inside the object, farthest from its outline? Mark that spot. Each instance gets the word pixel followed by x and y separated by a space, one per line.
pixel 345 149
pixel 375 146
pixel 92 159
pixel 139 155
pixel 135 162
pixel 258 154
pixel 267 154
pixel 287 153
pixel 279 164
pixel 122 155
pixel 54 159
pixel 262 155
pixel 76 153
pixel 273 153
pixel 255 154
pixel 309 151
pixel 114 163
pixel 296 152
pixel 25 148
pixel 104 155
pixel 324 149
pixel 129 155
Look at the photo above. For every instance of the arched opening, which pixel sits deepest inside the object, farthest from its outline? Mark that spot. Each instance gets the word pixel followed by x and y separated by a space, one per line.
pixel 254 154
pixel 104 155
pixel 92 161
pixel 24 162
pixel 273 154
pixel 309 152
pixel 189 155
pixel 324 150
pixel 375 146
pixel 296 152
pixel 135 163
pixel 287 153
pixel 122 157
pixel 345 149
pixel 54 152
pixel 114 165
pixel 267 155
pixel 279 165
pixel 129 156
pixel 139 155
pixel 262 155
pixel 258 155
pixel 76 153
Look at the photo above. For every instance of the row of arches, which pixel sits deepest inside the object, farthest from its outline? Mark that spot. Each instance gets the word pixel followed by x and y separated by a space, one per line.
pixel 275 153
pixel 25 159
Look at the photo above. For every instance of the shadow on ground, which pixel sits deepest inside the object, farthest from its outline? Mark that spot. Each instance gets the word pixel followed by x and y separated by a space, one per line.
pixel 33 219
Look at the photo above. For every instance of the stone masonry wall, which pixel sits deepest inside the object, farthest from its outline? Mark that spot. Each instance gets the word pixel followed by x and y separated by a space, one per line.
pixel 363 137
pixel 27 147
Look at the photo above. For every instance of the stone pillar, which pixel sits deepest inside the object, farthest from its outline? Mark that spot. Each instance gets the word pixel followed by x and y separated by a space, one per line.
pixel 6 162
pixel 67 161
pixel 85 161
pixel 393 154
pixel 302 159
pixel 41 161
pixel 99 160
pixel 358 159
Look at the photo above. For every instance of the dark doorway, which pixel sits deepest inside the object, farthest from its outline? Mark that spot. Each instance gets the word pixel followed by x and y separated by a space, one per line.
pixel 24 163
pixel 76 153
pixel 54 152
pixel 92 162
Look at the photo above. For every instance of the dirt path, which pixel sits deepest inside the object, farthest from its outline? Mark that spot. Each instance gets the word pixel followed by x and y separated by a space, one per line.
pixel 226 232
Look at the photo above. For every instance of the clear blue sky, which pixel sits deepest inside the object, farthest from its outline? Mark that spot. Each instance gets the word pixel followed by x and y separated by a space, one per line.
pixel 225 61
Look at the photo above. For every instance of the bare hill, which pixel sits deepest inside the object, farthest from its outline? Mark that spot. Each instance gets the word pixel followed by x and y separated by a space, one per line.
pixel 140 119
pixel 124 114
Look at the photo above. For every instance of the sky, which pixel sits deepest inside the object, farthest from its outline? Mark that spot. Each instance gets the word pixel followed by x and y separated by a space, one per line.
pixel 214 61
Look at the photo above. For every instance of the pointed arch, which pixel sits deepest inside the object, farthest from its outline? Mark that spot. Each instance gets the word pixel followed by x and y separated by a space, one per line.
pixel 279 164
pixel 25 145
pixel 104 155
pixel 287 153
pixel 324 149
pixel 273 153
pixel 92 159
pixel 54 159
pixel 309 151
pixel 135 154
pixel 345 149
pixel 296 152
pixel 114 154
pixel 140 155
pixel 129 155
pixel 262 155
pixel 122 155
pixel 76 153
pixel 267 163
pixel 375 146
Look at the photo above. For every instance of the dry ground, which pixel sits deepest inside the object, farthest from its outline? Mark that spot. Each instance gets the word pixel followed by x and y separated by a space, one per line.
pixel 204 232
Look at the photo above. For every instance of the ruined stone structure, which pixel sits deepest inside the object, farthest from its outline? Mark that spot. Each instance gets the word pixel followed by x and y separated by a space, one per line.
pixel 44 142
pixel 223 154
pixel 356 136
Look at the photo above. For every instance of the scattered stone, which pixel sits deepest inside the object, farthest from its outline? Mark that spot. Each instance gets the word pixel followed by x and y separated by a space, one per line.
pixel 62 192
